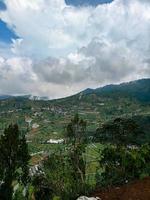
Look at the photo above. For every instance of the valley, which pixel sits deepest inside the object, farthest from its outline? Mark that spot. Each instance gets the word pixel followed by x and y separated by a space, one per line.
pixel 45 122
pixel 47 119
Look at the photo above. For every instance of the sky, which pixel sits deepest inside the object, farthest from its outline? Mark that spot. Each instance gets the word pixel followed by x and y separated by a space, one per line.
pixel 57 48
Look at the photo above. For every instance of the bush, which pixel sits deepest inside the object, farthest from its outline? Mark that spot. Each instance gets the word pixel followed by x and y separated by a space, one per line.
pixel 123 164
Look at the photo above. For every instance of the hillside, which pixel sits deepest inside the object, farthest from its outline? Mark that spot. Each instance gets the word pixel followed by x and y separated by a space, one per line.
pixel 135 90
pixel 2 97
pixel 139 90
pixel 45 123
pixel 96 106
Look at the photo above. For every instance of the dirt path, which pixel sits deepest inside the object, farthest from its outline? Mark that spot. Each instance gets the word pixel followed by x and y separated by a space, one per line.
pixel 138 190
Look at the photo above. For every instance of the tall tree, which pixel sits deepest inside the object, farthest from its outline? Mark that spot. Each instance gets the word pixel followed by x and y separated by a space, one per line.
pixel 76 132
pixel 120 131
pixel 14 159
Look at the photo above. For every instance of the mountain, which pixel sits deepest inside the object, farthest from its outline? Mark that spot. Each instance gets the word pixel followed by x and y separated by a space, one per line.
pixel 37 98
pixel 139 90
pixel 3 97
pixel 23 97
pixel 96 106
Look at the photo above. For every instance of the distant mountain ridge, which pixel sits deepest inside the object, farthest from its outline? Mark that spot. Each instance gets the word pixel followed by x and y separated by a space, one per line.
pixel 30 97
pixel 139 89
pixel 2 97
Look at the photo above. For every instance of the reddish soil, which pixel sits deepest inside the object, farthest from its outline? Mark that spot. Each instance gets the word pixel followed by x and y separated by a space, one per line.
pixel 138 190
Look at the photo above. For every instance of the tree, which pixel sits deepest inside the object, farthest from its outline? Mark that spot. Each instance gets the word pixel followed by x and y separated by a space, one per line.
pixel 41 188
pixel 76 132
pixel 120 131
pixel 65 168
pixel 58 171
pixel 14 159
pixel 122 164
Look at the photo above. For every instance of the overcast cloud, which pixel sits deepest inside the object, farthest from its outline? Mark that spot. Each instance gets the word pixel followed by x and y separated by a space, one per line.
pixel 64 49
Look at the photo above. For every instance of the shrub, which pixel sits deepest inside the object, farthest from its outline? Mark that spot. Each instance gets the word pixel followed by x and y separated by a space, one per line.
pixel 123 164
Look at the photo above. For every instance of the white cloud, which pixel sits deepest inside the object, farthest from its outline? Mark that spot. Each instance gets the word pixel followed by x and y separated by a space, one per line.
pixel 15 75
pixel 63 49
pixel 18 77
pixel 46 27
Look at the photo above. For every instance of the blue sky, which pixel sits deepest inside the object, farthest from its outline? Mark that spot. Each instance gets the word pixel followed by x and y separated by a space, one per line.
pixel 6 35
pixel 2 5
pixel 87 2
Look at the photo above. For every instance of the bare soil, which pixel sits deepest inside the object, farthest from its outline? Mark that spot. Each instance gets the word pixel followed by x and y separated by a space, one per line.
pixel 137 190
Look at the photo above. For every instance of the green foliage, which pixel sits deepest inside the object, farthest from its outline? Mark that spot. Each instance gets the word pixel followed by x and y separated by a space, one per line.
pixel 14 159
pixel 65 169
pixel 120 131
pixel 56 198
pixel 139 90
pixel 122 164
pixel 76 130
pixel 64 175
pixel 19 195
pixel 59 174
pixel 42 188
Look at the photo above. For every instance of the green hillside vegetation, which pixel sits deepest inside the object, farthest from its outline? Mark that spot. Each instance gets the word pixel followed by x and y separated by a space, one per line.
pixel 106 143
pixel 95 106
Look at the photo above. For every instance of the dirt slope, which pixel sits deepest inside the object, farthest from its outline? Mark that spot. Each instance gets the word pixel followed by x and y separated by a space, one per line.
pixel 138 190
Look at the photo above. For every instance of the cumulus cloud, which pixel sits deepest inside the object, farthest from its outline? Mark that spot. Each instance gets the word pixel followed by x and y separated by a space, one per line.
pixel 63 49
pixel 99 62
pixel 15 75
pixel 46 27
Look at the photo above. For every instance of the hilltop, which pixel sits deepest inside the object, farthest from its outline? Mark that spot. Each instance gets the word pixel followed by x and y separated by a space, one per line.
pixel 136 90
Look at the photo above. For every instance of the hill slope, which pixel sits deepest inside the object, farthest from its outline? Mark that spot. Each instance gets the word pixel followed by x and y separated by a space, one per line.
pixel 139 89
